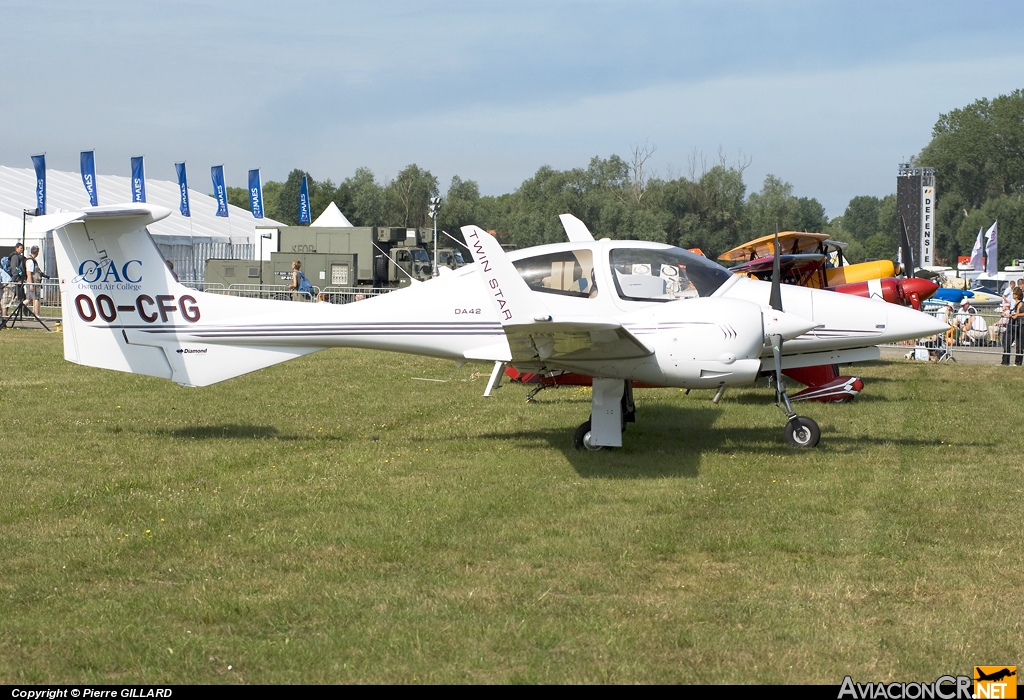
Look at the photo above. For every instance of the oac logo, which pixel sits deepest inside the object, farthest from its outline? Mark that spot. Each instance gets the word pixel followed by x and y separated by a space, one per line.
pixel 995 682
pixel 93 271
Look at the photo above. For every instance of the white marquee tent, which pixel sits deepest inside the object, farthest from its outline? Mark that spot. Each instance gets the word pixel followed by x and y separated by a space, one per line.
pixel 186 241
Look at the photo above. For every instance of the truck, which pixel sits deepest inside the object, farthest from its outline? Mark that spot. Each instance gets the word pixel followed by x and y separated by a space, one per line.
pixel 349 257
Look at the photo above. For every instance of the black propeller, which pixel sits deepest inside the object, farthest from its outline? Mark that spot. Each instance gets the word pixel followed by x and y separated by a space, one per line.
pixel 908 267
pixel 775 300
pixel 906 252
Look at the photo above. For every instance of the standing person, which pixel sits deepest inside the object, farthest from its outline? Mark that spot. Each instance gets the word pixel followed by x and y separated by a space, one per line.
pixel 300 284
pixel 7 284
pixel 170 266
pixel 16 262
pixel 1008 292
pixel 1013 328
pixel 999 327
pixel 33 276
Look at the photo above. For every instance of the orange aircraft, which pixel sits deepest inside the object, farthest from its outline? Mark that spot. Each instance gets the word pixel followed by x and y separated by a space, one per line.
pixel 814 260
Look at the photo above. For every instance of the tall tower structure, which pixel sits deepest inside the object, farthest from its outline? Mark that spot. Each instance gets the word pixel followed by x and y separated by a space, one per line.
pixel 915 202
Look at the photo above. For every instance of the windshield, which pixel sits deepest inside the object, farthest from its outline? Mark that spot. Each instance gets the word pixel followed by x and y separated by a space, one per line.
pixel 451 258
pixel 651 274
pixel 420 255
pixel 568 273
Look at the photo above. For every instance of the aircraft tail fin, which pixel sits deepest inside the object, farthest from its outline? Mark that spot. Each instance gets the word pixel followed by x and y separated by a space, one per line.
pixel 123 310
pixel 512 299
pixel 575 229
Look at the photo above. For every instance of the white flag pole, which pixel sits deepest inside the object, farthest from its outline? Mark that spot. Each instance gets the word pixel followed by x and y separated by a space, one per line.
pixel 992 250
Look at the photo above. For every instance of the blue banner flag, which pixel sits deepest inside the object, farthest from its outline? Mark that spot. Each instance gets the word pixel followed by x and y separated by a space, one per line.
pixel 89 176
pixel 220 192
pixel 255 194
pixel 304 202
pixel 138 179
pixel 40 165
pixel 183 188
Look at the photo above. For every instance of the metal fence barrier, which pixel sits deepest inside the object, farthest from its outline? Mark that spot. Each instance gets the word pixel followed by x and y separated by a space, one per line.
pixel 330 294
pixel 48 292
pixel 944 347
pixel 50 300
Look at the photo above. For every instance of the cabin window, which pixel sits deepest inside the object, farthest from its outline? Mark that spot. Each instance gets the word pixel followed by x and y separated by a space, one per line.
pixel 664 274
pixel 569 273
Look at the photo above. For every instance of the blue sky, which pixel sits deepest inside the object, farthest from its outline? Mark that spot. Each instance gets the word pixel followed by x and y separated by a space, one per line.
pixel 828 96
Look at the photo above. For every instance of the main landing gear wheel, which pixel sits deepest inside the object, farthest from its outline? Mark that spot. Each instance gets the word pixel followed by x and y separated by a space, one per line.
pixel 801 431
pixel 581 439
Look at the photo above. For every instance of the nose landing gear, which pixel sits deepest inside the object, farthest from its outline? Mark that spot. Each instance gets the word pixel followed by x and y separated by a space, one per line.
pixel 800 431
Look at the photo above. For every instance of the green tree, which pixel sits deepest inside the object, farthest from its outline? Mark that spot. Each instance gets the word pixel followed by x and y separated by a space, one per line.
pixel 287 204
pixel 860 220
pixel 704 212
pixel 271 197
pixel 363 198
pixel 408 197
pixel 238 197
pixel 1008 210
pixel 460 207
pixel 775 208
pixel 978 154
pixel 978 151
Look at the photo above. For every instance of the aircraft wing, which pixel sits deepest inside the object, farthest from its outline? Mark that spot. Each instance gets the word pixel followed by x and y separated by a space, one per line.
pixel 533 333
pixel 788 264
pixel 572 340
pixel 789 242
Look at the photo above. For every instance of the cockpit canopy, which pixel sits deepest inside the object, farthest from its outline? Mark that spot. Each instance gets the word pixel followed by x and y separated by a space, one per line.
pixel 661 273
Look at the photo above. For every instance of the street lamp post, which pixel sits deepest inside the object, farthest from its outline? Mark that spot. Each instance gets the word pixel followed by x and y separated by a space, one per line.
pixel 435 204
pixel 24 213
pixel 262 236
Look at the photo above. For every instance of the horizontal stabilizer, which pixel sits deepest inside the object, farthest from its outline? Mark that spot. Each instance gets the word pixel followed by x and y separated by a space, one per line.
pixel 202 364
pixel 148 212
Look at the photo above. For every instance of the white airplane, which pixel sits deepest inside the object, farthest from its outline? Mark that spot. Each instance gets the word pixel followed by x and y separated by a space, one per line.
pixel 613 310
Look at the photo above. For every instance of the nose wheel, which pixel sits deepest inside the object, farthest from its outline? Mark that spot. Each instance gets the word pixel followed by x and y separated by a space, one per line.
pixel 801 431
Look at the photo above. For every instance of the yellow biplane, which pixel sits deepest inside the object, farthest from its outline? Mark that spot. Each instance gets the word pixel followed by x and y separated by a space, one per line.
pixel 806 259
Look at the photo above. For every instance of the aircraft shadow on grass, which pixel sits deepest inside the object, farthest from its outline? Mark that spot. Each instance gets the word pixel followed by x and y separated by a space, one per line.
pixel 228 431
pixel 767 398
pixel 672 440
pixel 669 441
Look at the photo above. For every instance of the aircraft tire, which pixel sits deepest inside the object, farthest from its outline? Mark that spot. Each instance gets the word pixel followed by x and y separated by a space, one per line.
pixel 802 432
pixel 581 439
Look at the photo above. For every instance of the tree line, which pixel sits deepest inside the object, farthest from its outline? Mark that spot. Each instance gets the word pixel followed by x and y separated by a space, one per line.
pixel 977 151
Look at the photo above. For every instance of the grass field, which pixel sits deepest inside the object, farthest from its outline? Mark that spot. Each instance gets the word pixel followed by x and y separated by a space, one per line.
pixel 332 520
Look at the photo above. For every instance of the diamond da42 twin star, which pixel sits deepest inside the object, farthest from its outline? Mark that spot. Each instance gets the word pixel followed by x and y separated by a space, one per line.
pixel 614 310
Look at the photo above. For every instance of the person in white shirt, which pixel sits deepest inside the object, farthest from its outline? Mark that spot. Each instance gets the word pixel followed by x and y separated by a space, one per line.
pixel 974 331
pixel 964 314
pixel 33 276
